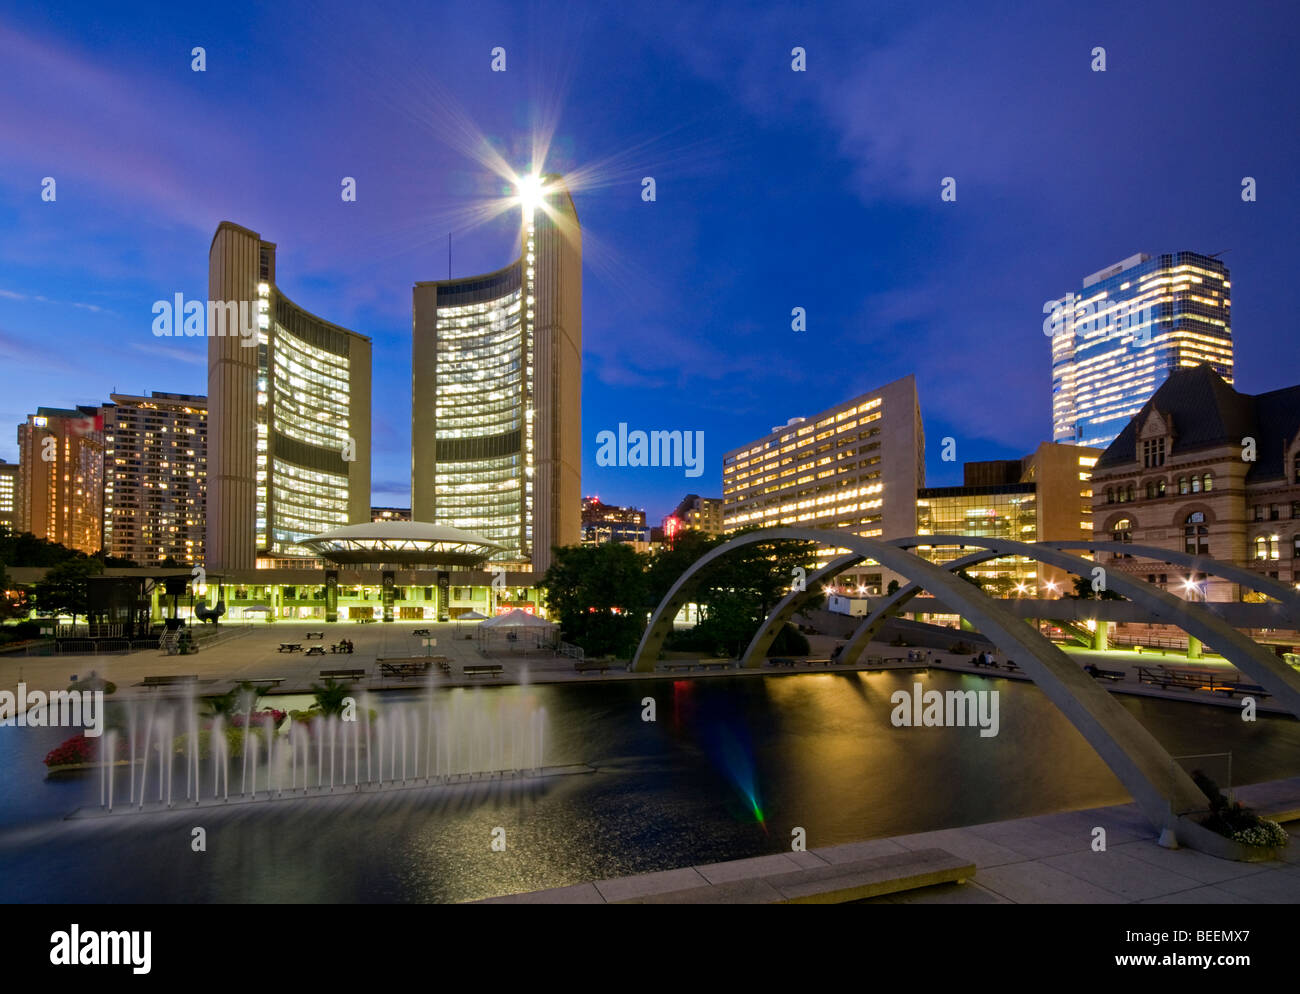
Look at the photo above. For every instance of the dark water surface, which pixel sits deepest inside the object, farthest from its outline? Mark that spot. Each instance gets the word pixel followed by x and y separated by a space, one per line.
pixel 728 770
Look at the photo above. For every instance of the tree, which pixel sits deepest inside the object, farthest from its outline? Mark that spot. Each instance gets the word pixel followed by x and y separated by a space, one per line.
pixel 597 593
pixel 1083 591
pixel 65 588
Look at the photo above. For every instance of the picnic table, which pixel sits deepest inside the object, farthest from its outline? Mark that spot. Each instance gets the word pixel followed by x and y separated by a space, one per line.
pixel 290 647
pixel 315 635
pixel 340 647
pixel 316 650
pixel 403 668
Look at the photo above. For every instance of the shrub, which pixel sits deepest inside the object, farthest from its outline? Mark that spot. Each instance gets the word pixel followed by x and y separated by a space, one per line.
pixel 1264 833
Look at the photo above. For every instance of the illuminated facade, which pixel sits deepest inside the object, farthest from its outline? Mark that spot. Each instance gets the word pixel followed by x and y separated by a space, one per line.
pixel 695 513
pixel 1178 477
pixel 8 494
pixel 496 423
pixel 155 477
pixel 1130 326
pixel 856 466
pixel 1006 511
pixel 61 477
pixel 1046 496
pixel 603 523
pixel 289 437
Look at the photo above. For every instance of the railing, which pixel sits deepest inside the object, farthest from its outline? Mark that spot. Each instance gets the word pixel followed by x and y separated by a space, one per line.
pixel 571 651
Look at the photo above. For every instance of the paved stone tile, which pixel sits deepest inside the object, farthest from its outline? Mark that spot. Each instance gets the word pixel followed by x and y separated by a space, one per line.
pixel 1123 823
pixel 853 851
pixel 1198 866
pixel 962 842
pixel 807 860
pixel 1122 874
pixel 1200 895
pixel 646 884
pixel 1037 883
pixel 1275 886
pixel 754 890
pixel 758 866
pixel 1027 837
pixel 577 894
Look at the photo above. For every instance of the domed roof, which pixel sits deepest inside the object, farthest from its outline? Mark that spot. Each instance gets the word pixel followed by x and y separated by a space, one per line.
pixel 401 543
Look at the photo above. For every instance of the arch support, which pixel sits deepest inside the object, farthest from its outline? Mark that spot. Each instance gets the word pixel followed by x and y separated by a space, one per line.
pixel 789 606
pixel 1162 789
pixel 1275 676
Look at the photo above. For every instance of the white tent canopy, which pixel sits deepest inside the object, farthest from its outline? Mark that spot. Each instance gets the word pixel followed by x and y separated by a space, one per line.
pixel 471 616
pixel 517 619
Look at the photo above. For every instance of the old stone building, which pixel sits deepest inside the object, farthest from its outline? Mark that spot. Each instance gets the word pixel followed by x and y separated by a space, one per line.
pixel 1205 469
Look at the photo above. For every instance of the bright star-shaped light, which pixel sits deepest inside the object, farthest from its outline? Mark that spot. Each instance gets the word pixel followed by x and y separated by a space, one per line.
pixel 530 190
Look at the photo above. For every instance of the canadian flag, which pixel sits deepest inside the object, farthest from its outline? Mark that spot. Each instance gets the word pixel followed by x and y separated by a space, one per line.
pixel 90 423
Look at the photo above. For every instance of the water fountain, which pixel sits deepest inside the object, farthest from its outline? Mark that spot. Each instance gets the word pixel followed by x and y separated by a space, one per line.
pixel 433 739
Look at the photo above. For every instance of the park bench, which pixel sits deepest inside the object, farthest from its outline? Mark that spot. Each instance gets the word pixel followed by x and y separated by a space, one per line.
pixel 316 650
pixel 591 665
pixel 680 664
pixel 485 669
pixel 365 620
pixel 168 680
pixel 340 647
pixel 403 668
pixel 1013 668
pixel 782 661
pixel 290 647
pixel 343 674
pixel 314 635
pixel 817 661
pixel 976 661
pixel 716 664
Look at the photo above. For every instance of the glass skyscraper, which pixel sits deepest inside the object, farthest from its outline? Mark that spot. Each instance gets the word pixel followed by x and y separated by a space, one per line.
pixel 1130 325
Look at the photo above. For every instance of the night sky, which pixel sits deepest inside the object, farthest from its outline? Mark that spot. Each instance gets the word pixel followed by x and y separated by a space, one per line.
pixel 775 189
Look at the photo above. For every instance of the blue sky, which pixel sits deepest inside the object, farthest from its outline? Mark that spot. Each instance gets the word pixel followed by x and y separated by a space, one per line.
pixel 775 189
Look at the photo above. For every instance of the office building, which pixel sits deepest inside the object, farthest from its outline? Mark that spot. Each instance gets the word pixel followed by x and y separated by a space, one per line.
pixel 8 495
pixel 603 523
pixel 1130 326
pixel 695 513
pixel 496 421
pixel 390 514
pixel 155 477
pixel 1045 496
pixel 289 417
pixel 61 477
pixel 856 466
pixel 1180 476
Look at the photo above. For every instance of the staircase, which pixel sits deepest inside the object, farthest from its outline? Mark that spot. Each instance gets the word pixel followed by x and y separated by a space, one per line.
pixel 170 643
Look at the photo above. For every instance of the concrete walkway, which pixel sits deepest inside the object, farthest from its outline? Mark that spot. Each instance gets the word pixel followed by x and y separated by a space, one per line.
pixel 1042 860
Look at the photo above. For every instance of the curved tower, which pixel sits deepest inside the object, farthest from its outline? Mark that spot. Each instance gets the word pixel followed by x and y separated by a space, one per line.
pixel 288 414
pixel 496 422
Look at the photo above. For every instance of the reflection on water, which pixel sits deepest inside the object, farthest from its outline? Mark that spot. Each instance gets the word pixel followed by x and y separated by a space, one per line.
pixel 728 770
